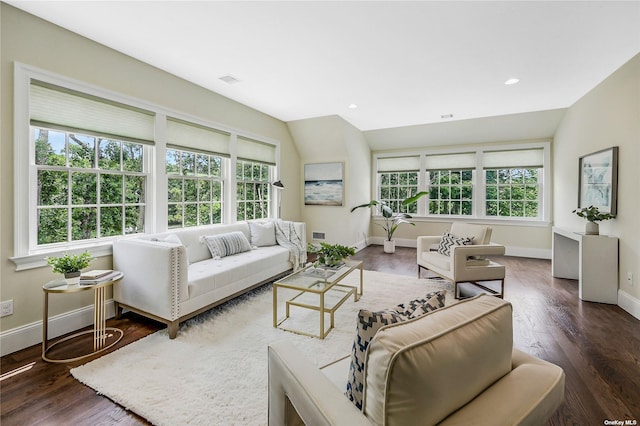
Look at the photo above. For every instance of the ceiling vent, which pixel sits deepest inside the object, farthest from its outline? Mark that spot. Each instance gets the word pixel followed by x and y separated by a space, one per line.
pixel 229 79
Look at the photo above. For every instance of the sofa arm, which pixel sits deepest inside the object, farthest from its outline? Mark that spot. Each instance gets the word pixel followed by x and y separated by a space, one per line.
pixel 298 391
pixel 155 276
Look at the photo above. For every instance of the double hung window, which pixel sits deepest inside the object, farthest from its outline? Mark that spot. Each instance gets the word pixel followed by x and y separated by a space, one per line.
pixel 489 182
pixel 255 168
pixel 90 174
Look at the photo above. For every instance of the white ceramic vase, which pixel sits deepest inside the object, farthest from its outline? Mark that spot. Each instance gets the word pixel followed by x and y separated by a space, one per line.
pixel 592 228
pixel 389 246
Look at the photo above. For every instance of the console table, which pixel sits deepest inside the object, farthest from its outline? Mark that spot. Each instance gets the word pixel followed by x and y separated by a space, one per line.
pixel 590 259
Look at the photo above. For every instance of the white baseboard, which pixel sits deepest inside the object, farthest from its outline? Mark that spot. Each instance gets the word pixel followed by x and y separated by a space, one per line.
pixel 629 303
pixel 31 334
pixel 509 250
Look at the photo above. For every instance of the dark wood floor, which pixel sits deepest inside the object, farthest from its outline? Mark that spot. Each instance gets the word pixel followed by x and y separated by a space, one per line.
pixel 597 345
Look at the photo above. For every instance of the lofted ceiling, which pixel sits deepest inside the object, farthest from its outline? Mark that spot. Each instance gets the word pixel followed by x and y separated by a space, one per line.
pixel 402 63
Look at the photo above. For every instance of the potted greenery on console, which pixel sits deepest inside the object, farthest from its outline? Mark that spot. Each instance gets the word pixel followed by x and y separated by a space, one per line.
pixel 70 265
pixel 330 255
pixel 391 220
pixel 593 215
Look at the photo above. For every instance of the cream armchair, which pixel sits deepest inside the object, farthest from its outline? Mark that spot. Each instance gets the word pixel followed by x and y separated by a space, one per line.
pixel 465 263
pixel 453 366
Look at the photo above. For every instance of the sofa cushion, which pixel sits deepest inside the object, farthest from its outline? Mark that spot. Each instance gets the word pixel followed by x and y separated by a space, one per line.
pixel 368 323
pixel 450 240
pixel 263 234
pixel 429 367
pixel 227 244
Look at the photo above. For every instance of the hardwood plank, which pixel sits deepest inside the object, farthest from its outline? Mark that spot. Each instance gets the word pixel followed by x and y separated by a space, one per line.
pixel 597 345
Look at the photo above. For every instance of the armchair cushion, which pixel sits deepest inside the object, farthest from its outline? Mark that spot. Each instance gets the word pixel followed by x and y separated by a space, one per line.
pixel 449 240
pixel 368 323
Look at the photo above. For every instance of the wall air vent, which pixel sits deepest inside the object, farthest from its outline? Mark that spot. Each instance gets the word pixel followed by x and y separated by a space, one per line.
pixel 317 235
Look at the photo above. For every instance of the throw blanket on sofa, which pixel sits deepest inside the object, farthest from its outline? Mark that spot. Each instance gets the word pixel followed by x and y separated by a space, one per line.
pixel 287 237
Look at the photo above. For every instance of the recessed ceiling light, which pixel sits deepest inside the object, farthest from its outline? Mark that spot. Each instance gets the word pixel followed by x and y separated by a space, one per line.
pixel 445 116
pixel 511 81
pixel 229 79
pixel 352 106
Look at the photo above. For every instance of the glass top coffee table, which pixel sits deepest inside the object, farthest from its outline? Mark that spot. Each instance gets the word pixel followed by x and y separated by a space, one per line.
pixel 315 289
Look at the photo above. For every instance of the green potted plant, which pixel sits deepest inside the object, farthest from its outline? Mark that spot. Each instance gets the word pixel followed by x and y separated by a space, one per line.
pixel 331 255
pixel 593 215
pixel 391 220
pixel 70 265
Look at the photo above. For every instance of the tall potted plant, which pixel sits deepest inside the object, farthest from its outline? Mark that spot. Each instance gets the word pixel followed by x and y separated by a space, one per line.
pixel 391 220
pixel 593 216
pixel 70 265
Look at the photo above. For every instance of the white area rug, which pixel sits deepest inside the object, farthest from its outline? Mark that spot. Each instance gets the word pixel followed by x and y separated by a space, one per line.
pixel 215 371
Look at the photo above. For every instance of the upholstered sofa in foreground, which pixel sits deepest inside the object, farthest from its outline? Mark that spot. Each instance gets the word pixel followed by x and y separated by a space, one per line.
pixel 171 277
pixel 453 366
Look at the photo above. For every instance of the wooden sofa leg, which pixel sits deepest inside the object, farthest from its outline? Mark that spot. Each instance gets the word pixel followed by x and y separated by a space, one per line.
pixel 173 329
pixel 118 310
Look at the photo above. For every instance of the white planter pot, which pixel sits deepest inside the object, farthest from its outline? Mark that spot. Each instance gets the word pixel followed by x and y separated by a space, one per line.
pixel 389 246
pixel 592 228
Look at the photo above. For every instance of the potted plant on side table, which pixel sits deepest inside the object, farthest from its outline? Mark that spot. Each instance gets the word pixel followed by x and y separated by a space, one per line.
pixel 70 265
pixel 391 220
pixel 593 216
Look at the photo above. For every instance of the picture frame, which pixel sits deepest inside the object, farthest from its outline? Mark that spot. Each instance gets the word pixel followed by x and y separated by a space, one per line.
pixel 598 180
pixel 323 184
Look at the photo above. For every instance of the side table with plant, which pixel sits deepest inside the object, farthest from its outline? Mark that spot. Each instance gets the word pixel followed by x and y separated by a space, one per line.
pixel 593 216
pixel 70 265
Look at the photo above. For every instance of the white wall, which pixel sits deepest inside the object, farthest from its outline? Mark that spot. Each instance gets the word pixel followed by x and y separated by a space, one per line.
pixel 609 115
pixel 32 41
pixel 327 140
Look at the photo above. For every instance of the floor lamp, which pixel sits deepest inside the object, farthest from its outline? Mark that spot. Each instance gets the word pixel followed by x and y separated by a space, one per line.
pixel 279 187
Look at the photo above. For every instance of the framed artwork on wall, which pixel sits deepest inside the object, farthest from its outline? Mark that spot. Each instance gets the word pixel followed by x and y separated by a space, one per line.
pixel 323 184
pixel 598 180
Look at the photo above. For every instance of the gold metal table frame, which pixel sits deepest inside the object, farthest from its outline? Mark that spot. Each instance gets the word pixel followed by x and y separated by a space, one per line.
pixel 320 285
pixel 101 333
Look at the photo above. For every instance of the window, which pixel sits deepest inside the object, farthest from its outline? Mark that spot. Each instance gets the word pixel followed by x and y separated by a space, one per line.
pixel 451 192
pixel 253 183
pixel 512 192
pixel 195 188
pixel 88 187
pixel 492 182
pixel 93 168
pixel 397 186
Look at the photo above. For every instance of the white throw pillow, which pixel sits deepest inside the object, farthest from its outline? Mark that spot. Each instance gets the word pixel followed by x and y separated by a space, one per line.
pixel 263 234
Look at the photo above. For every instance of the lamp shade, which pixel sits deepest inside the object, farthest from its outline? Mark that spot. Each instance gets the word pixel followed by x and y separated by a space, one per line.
pixel 278 184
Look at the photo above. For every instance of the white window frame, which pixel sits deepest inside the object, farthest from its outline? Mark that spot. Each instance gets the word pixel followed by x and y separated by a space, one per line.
pixel 25 255
pixel 479 184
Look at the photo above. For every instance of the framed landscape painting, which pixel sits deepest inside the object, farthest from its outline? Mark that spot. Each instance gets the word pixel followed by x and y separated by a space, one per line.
pixel 323 184
pixel 598 180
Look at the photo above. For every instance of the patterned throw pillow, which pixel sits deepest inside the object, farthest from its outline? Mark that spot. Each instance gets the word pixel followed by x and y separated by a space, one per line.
pixel 368 323
pixel 450 240
pixel 227 244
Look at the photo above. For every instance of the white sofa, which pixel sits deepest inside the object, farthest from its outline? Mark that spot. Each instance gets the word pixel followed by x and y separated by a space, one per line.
pixel 171 277
pixel 452 366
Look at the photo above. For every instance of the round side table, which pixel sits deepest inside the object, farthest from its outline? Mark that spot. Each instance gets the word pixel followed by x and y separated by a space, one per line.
pixel 103 337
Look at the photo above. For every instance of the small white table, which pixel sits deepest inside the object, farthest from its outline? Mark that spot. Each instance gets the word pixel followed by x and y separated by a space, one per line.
pixel 590 259
pixel 103 337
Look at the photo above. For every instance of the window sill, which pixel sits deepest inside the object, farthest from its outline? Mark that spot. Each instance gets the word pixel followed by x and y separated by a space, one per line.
pixel 533 223
pixel 38 259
